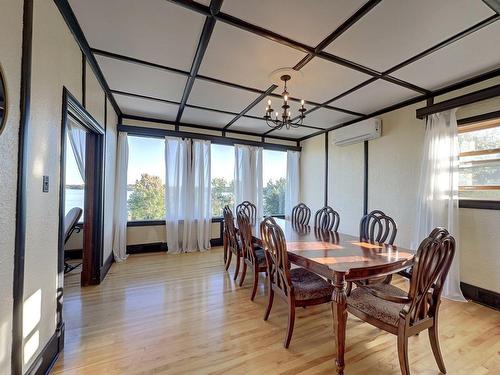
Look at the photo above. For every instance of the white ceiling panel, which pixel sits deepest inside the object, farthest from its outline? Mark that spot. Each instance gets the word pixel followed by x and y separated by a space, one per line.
pixel 214 95
pixel 324 118
pixel 472 55
pixel 376 95
pixel 291 18
pixel 294 132
pixel 324 80
pixel 153 30
pixel 139 79
pixel 241 57
pixel 249 124
pixel 147 108
pixel 396 30
pixel 204 117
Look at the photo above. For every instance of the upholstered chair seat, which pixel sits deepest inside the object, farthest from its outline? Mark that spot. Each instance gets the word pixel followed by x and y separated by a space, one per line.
pixel 308 286
pixel 385 311
pixel 260 256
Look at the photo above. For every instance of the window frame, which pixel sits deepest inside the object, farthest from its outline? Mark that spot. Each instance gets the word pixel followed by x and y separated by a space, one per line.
pixel 483 204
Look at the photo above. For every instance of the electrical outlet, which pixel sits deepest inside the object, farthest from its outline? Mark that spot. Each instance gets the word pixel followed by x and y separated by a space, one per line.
pixel 45 184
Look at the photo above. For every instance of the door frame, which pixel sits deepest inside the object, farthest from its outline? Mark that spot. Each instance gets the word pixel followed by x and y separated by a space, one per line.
pixel 94 194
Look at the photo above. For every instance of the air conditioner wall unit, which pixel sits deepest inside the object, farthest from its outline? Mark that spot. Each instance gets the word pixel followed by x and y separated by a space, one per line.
pixel 358 132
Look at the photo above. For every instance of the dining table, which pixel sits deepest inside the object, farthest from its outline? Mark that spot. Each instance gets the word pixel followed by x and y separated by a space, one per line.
pixel 343 259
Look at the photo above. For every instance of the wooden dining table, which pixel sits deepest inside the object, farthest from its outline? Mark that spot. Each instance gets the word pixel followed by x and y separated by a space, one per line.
pixel 340 258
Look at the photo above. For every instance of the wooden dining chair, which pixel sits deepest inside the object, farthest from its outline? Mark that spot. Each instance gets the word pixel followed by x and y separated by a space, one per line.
pixel 231 243
pixel 298 286
pixel 327 218
pixel 252 255
pixel 301 214
pixel 249 209
pixel 406 314
pixel 376 226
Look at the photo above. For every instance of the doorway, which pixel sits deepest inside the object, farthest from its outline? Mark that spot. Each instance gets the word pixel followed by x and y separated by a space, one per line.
pixel 81 196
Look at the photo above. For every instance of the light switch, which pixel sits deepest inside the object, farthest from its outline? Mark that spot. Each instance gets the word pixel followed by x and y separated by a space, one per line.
pixel 45 186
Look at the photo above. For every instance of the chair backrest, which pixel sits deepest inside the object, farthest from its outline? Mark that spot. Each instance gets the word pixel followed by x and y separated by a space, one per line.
pixel 249 209
pixel 301 214
pixel 377 226
pixel 430 268
pixel 245 230
pixel 327 218
pixel 70 221
pixel 278 266
pixel 229 229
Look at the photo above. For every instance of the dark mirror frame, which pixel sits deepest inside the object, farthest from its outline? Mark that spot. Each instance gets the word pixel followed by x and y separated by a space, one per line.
pixel 3 92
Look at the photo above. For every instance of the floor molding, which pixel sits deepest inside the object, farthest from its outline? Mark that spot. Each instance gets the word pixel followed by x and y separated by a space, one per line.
pixel 106 266
pixel 157 247
pixel 483 296
pixel 47 358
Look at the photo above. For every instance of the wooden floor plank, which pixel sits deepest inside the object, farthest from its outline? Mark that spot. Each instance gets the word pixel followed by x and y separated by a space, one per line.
pixel 183 314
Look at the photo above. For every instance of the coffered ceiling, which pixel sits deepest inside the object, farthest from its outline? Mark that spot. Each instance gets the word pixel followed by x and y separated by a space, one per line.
pixel 208 63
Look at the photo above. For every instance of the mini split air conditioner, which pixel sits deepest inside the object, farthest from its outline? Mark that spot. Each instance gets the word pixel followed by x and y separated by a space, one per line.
pixel 357 132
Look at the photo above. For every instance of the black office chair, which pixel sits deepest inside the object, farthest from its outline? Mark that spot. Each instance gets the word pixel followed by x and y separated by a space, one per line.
pixel 70 226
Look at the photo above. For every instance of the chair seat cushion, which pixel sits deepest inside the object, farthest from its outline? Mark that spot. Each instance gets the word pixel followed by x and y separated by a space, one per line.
pixel 307 285
pixel 260 256
pixel 385 311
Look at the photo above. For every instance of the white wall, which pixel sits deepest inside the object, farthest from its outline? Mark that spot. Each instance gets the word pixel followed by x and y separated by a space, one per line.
pixel 10 62
pixel 56 63
pixel 345 184
pixel 312 172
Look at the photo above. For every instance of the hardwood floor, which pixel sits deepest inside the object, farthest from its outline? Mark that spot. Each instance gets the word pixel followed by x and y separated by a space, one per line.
pixel 183 314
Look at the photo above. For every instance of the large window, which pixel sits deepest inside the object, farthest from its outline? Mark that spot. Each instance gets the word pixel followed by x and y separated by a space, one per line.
pixel 274 180
pixel 146 179
pixel 479 161
pixel 222 170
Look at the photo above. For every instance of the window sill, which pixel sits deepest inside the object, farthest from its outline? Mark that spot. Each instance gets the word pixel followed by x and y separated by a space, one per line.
pixel 151 223
pixel 479 204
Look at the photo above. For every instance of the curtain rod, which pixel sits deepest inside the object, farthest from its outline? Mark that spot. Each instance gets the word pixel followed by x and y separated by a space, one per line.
pixel 160 133
pixel 459 101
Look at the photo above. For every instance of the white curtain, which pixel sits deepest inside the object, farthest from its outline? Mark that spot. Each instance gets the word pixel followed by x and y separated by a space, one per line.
pixel 438 190
pixel 188 195
pixel 120 208
pixel 292 192
pixel 77 138
pixel 248 176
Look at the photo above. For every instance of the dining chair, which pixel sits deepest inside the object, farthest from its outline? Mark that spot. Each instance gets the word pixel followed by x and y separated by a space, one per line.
pixel 327 218
pixel 376 226
pixel 407 314
pixel 249 209
pixel 301 214
pixel 231 243
pixel 298 286
pixel 252 254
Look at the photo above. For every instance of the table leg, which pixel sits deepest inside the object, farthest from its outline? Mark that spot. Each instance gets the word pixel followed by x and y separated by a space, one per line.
pixel 339 309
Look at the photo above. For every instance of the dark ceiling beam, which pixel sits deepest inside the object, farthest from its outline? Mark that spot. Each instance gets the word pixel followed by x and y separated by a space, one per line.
pixel 204 127
pixel 208 28
pixel 493 4
pixel 444 90
pixel 76 30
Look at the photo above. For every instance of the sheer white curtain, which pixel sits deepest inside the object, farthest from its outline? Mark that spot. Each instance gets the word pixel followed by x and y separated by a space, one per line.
pixel 292 192
pixel 438 189
pixel 77 137
pixel 248 176
pixel 187 195
pixel 120 209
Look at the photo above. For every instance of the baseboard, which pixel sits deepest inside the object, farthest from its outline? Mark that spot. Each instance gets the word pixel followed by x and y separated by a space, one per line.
pixel 48 356
pixel 480 295
pixel 147 248
pixel 73 254
pixel 216 242
pixel 106 266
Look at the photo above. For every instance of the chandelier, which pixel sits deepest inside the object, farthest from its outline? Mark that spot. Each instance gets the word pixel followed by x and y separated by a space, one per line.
pixel 285 120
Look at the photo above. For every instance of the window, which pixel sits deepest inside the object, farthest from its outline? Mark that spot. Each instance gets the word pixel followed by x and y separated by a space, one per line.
pixel 146 179
pixel 222 170
pixel 74 184
pixel 479 162
pixel 274 180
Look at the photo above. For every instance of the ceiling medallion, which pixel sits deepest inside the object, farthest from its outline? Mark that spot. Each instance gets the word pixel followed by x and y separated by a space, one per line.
pixel 275 120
